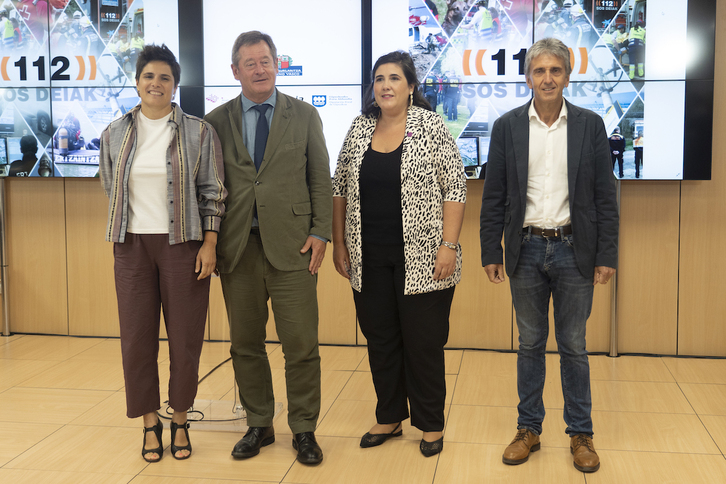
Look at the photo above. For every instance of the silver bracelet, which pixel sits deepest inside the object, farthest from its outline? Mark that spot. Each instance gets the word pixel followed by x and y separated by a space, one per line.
pixel 449 245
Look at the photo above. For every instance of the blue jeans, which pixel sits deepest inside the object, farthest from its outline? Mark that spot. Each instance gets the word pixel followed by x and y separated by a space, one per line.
pixel 548 266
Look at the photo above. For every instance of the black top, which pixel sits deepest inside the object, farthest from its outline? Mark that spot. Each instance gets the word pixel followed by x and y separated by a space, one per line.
pixel 380 197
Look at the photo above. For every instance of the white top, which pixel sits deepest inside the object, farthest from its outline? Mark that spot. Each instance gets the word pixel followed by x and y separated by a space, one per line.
pixel 548 198
pixel 148 213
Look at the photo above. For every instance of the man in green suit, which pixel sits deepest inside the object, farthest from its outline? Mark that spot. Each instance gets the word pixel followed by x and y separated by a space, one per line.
pixel 272 242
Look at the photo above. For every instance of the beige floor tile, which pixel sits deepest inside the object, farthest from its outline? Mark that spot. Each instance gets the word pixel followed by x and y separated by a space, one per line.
pixel 47 405
pixel 217 383
pixel 450 387
pixel 333 382
pixel 99 375
pixel 629 368
pixel 23 476
pixel 346 358
pixel 182 480
pixel 501 391
pixel 119 447
pixel 359 387
pixel 107 350
pixel 110 412
pixel 365 364
pixel 697 370
pixel 482 463
pixel 652 432
pixel 706 399
pixel 485 389
pixel 7 339
pixel 19 437
pixel 53 348
pixel 498 425
pixel 648 397
pixel 211 459
pixel 716 426
pixel 49 432
pixel 624 467
pixel 214 353
pixel 452 361
pixel 399 461
pixel 14 372
pixel 489 363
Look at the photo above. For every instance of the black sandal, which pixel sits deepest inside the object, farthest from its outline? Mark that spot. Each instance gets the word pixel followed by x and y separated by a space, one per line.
pixel 175 448
pixel 158 429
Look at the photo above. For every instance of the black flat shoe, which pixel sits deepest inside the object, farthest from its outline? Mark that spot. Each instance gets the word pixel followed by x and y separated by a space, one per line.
pixel 254 439
pixel 373 440
pixel 431 448
pixel 308 450
pixel 175 448
pixel 157 429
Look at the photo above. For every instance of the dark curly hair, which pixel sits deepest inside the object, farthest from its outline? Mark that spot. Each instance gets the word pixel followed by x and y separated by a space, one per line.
pixel 153 52
pixel 404 61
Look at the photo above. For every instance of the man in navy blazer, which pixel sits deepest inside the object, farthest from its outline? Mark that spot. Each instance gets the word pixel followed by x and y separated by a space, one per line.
pixel 550 189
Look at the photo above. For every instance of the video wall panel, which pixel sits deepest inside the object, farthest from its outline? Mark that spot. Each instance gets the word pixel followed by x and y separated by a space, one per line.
pixel 67 70
pixel 469 57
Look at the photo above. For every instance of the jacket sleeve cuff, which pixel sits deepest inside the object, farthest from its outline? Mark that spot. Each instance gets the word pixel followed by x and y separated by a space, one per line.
pixel 211 222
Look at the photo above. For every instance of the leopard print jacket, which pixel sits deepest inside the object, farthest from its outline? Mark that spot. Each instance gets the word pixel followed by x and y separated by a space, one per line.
pixel 431 173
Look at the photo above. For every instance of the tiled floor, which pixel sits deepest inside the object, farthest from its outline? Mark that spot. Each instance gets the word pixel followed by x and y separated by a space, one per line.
pixel 62 412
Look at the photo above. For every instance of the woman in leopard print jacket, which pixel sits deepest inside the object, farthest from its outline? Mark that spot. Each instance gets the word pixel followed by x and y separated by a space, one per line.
pixel 399 192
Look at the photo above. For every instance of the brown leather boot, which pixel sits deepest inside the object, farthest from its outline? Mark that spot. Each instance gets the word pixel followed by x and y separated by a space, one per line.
pixel 583 451
pixel 518 451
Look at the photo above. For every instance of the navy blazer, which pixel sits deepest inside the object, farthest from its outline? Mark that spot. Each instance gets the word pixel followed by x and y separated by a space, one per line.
pixel 591 183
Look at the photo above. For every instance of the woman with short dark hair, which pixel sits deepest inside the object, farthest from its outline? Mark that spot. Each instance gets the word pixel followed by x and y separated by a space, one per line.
pixel 163 173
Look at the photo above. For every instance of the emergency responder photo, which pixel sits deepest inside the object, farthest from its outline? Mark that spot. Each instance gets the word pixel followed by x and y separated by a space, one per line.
pixel 617 148
pixel 636 50
pixel 480 26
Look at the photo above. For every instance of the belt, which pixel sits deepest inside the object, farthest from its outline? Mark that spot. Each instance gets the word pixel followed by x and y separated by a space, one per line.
pixel 555 232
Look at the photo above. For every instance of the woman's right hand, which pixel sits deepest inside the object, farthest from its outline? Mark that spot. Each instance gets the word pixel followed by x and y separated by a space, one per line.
pixel 341 259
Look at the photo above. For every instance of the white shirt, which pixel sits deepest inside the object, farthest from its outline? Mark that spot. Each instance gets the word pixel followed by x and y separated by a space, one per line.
pixel 548 198
pixel 148 213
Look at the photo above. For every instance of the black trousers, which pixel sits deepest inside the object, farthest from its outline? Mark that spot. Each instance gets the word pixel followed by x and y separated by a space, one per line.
pixel 406 337
pixel 619 159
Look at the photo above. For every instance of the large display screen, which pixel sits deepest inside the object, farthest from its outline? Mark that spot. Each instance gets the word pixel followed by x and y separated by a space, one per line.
pixel 469 57
pixel 67 69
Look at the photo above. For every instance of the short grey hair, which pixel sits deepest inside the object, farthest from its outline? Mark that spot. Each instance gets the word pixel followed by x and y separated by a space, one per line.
pixel 251 38
pixel 548 46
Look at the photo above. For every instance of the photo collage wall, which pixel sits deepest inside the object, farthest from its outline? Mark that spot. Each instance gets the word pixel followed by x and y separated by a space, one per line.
pixel 469 56
pixel 70 65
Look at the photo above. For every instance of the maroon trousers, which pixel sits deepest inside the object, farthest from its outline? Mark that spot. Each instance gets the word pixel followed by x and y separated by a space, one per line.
pixel 150 275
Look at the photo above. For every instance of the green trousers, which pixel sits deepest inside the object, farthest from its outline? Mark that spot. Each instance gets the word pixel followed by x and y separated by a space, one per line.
pixel 295 305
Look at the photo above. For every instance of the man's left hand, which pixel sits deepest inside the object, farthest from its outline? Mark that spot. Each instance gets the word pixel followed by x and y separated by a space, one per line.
pixel 603 275
pixel 318 248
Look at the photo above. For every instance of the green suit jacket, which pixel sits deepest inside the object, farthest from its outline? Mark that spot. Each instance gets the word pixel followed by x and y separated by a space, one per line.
pixel 292 190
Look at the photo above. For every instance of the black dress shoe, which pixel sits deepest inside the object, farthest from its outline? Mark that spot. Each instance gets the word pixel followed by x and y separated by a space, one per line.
pixel 255 438
pixel 372 440
pixel 431 448
pixel 308 450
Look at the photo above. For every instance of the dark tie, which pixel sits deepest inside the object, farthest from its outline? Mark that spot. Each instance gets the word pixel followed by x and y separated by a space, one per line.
pixel 261 134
